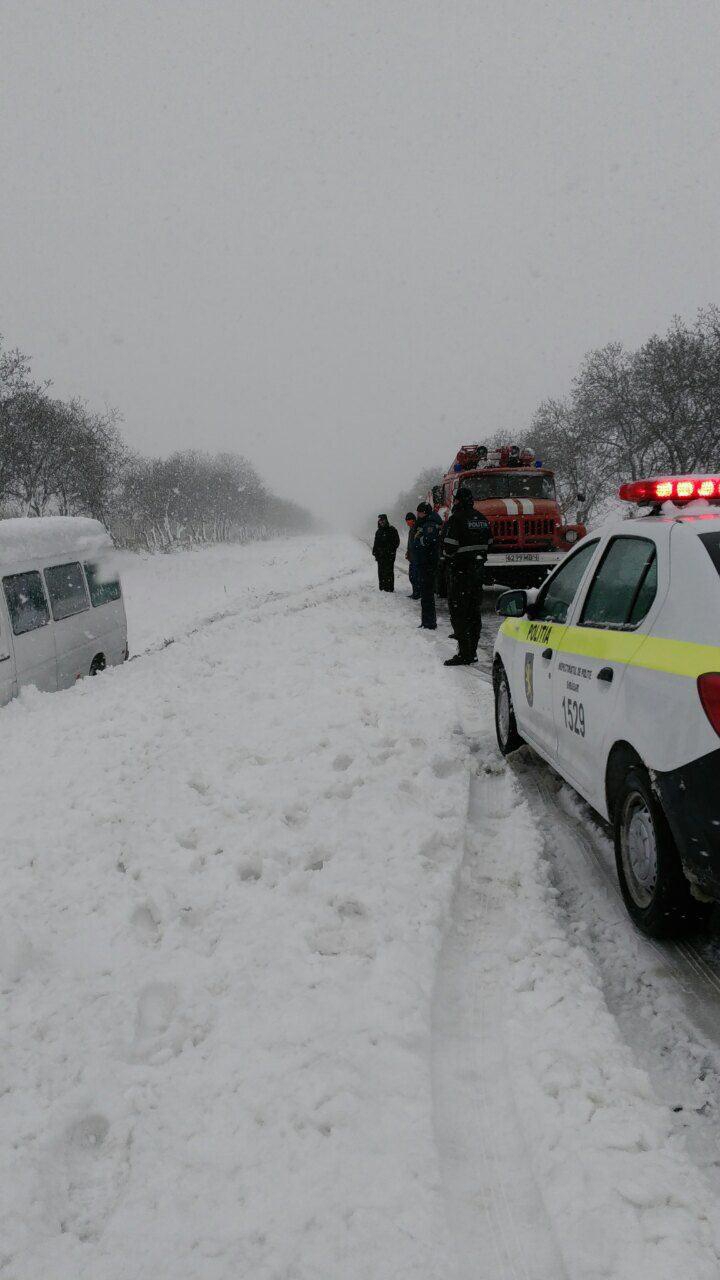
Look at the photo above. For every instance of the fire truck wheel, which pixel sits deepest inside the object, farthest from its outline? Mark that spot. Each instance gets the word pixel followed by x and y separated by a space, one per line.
pixel 505 726
pixel 653 886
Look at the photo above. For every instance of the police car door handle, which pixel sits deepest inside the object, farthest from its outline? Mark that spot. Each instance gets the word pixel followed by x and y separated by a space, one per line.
pixel 547 653
pixel 606 674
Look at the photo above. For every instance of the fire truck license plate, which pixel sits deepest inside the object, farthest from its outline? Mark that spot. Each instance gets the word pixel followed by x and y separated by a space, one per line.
pixel 523 557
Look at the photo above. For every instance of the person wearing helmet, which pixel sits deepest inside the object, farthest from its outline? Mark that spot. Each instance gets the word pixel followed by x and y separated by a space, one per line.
pixel 387 541
pixel 465 548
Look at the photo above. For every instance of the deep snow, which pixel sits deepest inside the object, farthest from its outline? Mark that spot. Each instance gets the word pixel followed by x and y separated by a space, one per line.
pixel 241 901
pixel 227 869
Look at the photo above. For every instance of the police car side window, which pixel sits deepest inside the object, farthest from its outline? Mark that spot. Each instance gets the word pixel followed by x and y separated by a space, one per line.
pixel 624 585
pixel 555 599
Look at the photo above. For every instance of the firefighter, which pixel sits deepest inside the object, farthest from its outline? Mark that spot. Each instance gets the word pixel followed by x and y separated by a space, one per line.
pixel 411 555
pixel 465 548
pixel 427 543
pixel 387 541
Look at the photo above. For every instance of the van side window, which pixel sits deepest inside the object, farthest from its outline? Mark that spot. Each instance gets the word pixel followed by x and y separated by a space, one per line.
pixel 104 586
pixel 26 602
pixel 66 588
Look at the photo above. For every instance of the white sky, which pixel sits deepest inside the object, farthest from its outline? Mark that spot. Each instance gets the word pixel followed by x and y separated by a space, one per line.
pixel 341 236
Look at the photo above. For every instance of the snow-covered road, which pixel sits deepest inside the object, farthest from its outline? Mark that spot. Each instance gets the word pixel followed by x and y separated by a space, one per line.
pixel 292 986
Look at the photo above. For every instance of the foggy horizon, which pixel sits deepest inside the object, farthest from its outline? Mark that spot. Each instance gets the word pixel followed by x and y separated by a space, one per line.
pixel 341 239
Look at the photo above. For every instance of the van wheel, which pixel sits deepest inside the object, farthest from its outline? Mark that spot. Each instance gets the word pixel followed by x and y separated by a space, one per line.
pixel 505 726
pixel 98 664
pixel 652 883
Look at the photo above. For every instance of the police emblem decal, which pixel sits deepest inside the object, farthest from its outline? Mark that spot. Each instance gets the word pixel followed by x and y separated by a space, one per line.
pixel 529 677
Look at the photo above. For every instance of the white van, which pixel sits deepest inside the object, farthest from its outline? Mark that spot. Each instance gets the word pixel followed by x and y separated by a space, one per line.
pixel 61 609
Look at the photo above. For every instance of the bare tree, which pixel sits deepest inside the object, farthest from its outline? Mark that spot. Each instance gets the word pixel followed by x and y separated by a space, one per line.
pixel 633 414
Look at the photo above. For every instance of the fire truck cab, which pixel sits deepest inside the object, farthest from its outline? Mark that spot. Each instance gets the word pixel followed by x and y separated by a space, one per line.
pixel 516 494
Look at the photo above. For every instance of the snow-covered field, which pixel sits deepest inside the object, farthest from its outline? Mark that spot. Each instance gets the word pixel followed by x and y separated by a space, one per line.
pixel 275 1003
pixel 168 596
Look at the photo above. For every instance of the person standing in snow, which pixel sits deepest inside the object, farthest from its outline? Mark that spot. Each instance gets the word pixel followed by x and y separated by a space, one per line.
pixel 427 544
pixel 387 541
pixel 465 548
pixel 411 555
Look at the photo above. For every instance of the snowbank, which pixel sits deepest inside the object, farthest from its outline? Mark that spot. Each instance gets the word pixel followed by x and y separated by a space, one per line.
pixel 226 871
pixel 625 1199
pixel 24 537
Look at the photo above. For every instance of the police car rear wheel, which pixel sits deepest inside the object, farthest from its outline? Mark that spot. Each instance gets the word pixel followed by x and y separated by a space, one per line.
pixel 505 727
pixel 654 889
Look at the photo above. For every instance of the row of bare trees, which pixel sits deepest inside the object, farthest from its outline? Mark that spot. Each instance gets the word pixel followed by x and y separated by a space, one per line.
pixel 635 413
pixel 629 414
pixel 60 458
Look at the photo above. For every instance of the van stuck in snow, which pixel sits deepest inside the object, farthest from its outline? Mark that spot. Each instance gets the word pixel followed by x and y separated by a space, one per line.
pixel 61 609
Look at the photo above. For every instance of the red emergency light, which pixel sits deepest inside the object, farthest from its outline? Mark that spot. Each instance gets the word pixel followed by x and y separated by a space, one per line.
pixel 670 489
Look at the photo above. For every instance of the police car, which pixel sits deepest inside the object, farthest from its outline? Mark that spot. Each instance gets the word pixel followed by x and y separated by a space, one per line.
pixel 612 674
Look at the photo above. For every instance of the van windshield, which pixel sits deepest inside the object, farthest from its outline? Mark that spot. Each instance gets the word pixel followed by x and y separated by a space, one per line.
pixel 525 484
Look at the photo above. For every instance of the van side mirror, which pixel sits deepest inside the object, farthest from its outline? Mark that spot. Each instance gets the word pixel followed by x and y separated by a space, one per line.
pixel 512 604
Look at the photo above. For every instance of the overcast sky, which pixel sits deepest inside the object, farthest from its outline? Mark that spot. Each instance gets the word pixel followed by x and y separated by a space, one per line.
pixel 343 236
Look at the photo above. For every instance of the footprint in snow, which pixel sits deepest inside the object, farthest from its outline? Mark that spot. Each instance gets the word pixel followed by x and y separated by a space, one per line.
pixel 162 1030
pixel 146 921
pixel 84 1173
pixel 444 766
pixel 317 859
pixel 250 870
pixel 199 785
pixel 155 1010
pixel 352 935
pixel 349 908
pixel 295 817
pixel 342 762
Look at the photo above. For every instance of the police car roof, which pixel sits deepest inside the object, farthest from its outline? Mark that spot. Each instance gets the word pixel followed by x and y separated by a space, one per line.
pixel 698 515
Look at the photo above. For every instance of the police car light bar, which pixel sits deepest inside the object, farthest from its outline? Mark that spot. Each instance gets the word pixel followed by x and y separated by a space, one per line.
pixel 670 489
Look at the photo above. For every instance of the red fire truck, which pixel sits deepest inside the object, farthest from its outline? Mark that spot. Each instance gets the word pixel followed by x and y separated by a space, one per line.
pixel 517 495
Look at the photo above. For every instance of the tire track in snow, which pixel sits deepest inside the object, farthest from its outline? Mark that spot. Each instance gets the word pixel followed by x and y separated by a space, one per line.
pixel 495 1209
pixel 254 610
pixel 665 996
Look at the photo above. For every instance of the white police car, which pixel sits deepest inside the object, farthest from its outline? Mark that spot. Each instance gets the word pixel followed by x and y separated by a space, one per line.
pixel 612 674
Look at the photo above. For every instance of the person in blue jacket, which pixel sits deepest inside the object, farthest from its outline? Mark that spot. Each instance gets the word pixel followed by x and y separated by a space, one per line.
pixel 411 555
pixel 427 545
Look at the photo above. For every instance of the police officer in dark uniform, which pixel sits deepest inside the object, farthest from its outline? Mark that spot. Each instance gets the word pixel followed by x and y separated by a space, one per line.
pixel 465 547
pixel 387 541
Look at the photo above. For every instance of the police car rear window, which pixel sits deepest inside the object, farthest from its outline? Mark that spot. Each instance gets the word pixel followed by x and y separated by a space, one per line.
pixel 711 543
